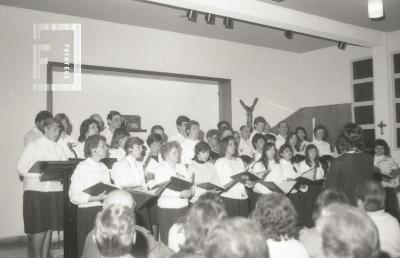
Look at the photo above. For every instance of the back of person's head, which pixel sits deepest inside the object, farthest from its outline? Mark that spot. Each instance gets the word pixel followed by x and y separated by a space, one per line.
pixel 119 197
pixel 211 196
pixel 42 115
pixel 114 231
pixel 371 196
pixel 276 215
pixel 326 197
pixel 350 138
pixel 235 238
pixel 197 222
pixel 182 119
pixel 347 232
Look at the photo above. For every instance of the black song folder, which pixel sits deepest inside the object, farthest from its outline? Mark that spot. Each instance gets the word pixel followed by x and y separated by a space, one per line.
pixel 283 187
pixel 210 187
pixel 99 188
pixel 244 176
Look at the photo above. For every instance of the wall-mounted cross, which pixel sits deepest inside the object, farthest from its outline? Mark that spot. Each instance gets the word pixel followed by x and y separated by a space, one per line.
pixel 381 125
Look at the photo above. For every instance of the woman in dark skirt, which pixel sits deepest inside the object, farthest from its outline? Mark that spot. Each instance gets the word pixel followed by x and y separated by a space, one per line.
pixel 42 201
pixel 236 198
pixel 268 168
pixel 88 173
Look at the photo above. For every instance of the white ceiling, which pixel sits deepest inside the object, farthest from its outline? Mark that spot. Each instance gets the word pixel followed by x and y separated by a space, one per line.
pixel 145 14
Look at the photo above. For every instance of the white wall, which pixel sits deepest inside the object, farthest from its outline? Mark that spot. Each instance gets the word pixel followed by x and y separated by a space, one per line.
pixel 272 75
pixel 157 101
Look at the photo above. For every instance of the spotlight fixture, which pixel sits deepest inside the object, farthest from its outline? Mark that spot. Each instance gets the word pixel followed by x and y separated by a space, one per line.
pixel 289 34
pixel 341 45
pixel 210 18
pixel 228 23
pixel 191 15
pixel 375 9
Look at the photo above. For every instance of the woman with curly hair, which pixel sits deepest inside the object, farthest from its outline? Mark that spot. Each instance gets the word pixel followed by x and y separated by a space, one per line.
pixel 277 218
pixel 353 166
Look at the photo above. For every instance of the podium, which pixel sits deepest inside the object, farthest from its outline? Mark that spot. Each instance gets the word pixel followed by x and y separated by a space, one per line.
pixel 61 171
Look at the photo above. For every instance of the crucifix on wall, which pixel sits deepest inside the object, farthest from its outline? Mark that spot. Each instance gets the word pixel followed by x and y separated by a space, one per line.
pixel 381 125
pixel 249 111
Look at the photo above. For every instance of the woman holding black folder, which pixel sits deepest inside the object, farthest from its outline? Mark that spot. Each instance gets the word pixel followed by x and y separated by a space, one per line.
pixel 172 204
pixel 87 174
pixel 236 198
pixel 42 200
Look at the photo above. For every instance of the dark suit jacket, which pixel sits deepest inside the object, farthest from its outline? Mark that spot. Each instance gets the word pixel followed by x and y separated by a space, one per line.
pixel 349 170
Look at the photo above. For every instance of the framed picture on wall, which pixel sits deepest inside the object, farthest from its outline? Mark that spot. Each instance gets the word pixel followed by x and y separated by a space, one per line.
pixel 132 123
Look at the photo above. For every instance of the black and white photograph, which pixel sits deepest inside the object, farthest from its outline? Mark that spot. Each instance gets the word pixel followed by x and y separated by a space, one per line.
pixel 200 129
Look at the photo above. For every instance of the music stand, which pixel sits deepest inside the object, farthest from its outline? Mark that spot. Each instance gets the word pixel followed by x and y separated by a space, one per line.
pixel 60 171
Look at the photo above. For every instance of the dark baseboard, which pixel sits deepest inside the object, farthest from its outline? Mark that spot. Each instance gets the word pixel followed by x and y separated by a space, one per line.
pixel 14 240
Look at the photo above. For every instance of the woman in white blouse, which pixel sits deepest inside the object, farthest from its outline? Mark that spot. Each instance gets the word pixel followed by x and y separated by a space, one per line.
pixel 258 142
pixel 192 130
pixel 201 169
pixel 66 140
pixel 117 144
pixel 172 204
pixel 236 198
pixel 128 172
pixel 302 140
pixel 312 165
pixel 290 171
pixel 88 127
pixel 88 173
pixel 42 201
pixel 267 167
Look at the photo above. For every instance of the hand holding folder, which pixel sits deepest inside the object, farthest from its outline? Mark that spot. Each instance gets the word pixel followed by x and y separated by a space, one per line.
pixel 283 187
pixel 309 178
pixel 245 177
pixel 175 184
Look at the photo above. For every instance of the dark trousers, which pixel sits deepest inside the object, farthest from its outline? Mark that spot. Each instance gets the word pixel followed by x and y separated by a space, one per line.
pixel 236 207
pixel 168 217
pixel 85 219
pixel 392 203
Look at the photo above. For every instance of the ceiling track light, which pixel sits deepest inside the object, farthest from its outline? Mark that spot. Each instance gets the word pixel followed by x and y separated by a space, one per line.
pixel 228 23
pixel 375 9
pixel 289 34
pixel 210 18
pixel 341 45
pixel 191 15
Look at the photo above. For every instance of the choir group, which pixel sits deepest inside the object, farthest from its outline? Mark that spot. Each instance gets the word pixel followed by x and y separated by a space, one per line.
pixel 267 195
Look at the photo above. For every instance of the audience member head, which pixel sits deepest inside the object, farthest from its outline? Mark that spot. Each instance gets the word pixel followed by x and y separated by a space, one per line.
pixel 200 218
pixel 259 124
pixel 119 138
pixel 95 147
pixel 270 138
pixel 276 215
pixel 99 120
pixel 286 152
pixel 228 147
pixel 301 133
pixel 181 124
pixel 223 124
pixel 114 120
pixel 88 127
pixel 52 128
pixel 326 197
pixel 283 128
pixel 114 231
pixel 171 152
pixel 347 231
pixel 212 138
pixel 202 152
pixel 381 148
pixel 154 142
pixel 40 117
pixel 235 238
pixel 258 142
pixel 320 132
pixel 119 197
pixel 212 197
pixel 63 118
pixel 193 130
pixel 370 196
pixel 245 132
pixel 134 147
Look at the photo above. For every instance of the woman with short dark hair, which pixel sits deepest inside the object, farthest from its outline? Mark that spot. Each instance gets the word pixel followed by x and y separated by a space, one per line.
pixel 88 127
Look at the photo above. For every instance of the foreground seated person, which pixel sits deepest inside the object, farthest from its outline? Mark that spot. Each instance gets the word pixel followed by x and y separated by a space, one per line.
pixel 371 198
pixel 347 231
pixel 276 216
pixel 145 244
pixel 115 232
pixel 235 238
pixel 309 237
